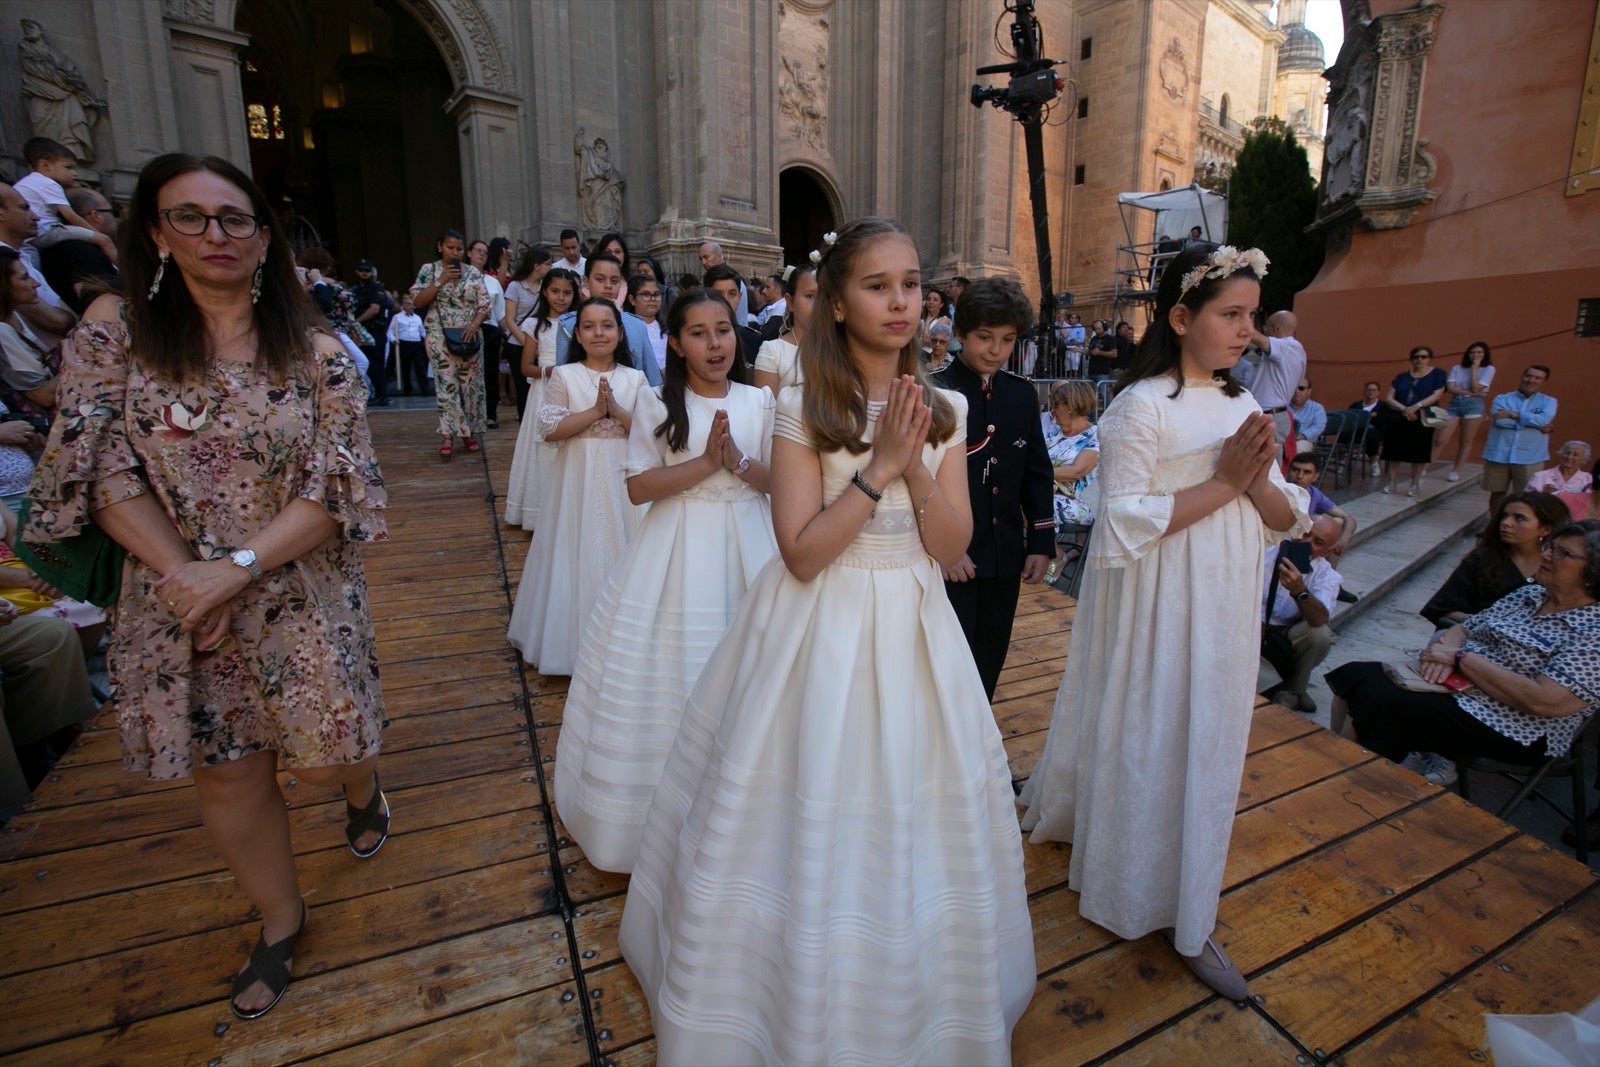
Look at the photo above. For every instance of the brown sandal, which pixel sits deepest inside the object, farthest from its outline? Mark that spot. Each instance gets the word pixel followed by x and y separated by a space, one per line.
pixel 269 965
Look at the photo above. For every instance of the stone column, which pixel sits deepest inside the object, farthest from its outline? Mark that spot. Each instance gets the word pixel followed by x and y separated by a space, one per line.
pixel 205 77
pixel 715 122
pixel 490 127
pixel 982 147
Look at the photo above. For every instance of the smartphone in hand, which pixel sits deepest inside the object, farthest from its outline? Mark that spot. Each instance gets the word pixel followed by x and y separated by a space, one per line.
pixel 1298 553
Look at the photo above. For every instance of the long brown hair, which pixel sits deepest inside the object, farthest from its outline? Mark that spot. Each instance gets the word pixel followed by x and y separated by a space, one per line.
pixel 168 333
pixel 834 399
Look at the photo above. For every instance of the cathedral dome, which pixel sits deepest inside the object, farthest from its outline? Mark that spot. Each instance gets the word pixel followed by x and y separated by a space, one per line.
pixel 1301 50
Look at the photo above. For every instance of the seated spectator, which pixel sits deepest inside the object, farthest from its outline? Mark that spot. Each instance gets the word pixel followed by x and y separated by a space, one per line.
pixel 1372 403
pixel 1073 444
pixel 80 270
pixel 1567 479
pixel 1505 559
pixel 1310 417
pixel 44 694
pixel 1304 471
pixel 27 368
pixel 18 443
pixel 939 338
pixel 1530 664
pixel 30 594
pixel 1295 633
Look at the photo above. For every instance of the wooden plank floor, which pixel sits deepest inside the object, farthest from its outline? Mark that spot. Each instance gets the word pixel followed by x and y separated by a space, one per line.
pixel 1377 916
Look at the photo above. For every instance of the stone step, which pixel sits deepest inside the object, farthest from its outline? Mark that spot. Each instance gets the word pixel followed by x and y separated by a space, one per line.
pixel 1397 534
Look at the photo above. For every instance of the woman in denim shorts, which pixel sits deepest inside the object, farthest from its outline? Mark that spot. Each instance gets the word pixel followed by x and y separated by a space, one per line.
pixel 1468 387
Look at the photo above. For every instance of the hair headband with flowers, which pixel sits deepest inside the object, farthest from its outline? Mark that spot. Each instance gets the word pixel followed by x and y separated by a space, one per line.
pixel 827 243
pixel 1225 260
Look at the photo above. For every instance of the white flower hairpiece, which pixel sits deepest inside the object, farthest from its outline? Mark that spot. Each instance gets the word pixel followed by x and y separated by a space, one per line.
pixel 1223 262
pixel 827 243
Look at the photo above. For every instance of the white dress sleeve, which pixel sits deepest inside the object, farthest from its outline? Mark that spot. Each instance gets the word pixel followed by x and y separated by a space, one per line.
pixel 788 421
pixel 769 411
pixel 554 408
pixel 646 451
pixel 1132 519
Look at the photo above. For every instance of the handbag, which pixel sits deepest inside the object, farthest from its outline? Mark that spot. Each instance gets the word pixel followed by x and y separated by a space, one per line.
pixel 86 567
pixel 1433 416
pixel 454 343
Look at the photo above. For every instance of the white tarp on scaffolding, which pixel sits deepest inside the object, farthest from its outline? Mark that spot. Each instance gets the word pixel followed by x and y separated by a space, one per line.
pixel 1177 211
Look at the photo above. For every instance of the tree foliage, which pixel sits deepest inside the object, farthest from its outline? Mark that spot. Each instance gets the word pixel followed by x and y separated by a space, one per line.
pixel 1272 199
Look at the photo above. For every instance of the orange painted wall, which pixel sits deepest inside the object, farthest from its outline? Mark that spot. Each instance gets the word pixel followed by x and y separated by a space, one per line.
pixel 1502 255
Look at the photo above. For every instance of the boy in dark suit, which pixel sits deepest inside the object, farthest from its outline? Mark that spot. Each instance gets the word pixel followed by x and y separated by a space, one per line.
pixel 1009 478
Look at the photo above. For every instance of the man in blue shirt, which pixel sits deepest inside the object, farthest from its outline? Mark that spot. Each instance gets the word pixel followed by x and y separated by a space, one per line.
pixel 1519 436
pixel 1310 417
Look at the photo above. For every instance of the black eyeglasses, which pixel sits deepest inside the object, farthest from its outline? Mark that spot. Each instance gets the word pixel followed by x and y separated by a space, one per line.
pixel 192 223
pixel 647 294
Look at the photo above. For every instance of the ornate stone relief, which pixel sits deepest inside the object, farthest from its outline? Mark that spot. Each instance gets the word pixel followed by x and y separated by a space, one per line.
pixel 1174 71
pixel 203 12
pixel 482 37
pixel 803 75
pixel 1377 166
pixel 60 104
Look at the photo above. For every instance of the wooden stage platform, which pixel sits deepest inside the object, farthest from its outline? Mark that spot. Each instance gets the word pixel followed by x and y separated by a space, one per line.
pixel 1377 916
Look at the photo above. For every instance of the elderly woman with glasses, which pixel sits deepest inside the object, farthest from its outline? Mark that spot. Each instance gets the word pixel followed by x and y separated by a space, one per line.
pixel 1073 443
pixel 211 426
pixel 1570 483
pixel 1517 680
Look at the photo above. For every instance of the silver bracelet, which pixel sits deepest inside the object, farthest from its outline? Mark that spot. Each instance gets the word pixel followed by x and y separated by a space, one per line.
pixel 860 483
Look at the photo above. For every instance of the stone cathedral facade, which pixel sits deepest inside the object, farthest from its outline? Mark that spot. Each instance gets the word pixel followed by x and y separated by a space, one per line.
pixel 760 123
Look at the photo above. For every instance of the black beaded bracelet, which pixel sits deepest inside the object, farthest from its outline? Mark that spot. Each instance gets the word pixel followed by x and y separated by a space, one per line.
pixel 860 483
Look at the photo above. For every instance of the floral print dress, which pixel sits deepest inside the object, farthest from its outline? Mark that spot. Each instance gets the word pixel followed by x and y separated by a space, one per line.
pixel 457 381
pixel 1074 501
pixel 224 456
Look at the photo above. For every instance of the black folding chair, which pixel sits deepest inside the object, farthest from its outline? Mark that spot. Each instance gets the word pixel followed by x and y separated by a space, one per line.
pixel 1568 764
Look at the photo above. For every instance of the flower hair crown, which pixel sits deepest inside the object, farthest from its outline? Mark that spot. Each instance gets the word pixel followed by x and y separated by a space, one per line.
pixel 827 243
pixel 1225 260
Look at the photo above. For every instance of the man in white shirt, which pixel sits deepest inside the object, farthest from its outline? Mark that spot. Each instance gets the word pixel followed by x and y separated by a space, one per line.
pixel 571 256
pixel 406 337
pixel 1278 371
pixel 17 223
pixel 776 303
pixel 1300 609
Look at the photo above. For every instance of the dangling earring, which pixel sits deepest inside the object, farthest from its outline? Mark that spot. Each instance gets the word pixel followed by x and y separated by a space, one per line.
pixel 255 284
pixel 161 268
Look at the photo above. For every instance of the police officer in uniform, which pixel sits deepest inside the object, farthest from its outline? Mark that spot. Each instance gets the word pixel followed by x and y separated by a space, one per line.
pixel 1009 477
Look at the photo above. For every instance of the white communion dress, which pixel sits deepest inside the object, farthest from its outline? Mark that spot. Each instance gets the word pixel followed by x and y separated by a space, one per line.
pixel 662 614
pixel 533 459
pixel 831 870
pixel 1141 767
pixel 586 520
pixel 782 358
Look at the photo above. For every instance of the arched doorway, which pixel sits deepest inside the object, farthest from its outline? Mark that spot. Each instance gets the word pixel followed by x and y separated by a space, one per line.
pixel 344 101
pixel 805 213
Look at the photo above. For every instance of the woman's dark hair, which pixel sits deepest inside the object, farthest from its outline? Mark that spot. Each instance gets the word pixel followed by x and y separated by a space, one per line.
pixel 1488 357
pixel 316 258
pixel 447 233
pixel 1420 348
pixel 531 258
pixel 1588 531
pixel 9 258
pixel 944 299
pixel 655 267
pixel 575 352
pixel 675 374
pixel 499 248
pixel 1490 553
pixel 558 274
pixel 167 332
pixel 605 239
pixel 1159 354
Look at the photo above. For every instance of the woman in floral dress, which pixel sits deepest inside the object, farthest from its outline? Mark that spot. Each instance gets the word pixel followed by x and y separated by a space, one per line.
pixel 208 428
pixel 450 293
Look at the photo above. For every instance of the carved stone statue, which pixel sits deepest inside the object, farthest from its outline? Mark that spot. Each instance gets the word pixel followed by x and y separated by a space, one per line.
pixel 1347 142
pixel 600 184
pixel 802 100
pixel 60 104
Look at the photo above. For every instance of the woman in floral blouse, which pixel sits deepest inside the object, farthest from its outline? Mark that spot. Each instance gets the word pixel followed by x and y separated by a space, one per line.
pixel 450 294
pixel 1073 443
pixel 1528 669
pixel 211 430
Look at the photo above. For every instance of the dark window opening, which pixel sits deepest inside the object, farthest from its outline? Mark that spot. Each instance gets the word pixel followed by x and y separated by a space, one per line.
pixel 1083 107
pixel 1086 49
pixel 1077 174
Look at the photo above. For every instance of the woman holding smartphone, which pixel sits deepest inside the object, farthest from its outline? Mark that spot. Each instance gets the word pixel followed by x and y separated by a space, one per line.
pixel 454 300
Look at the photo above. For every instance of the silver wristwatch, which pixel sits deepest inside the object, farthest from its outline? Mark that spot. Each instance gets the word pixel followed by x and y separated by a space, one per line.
pixel 246 558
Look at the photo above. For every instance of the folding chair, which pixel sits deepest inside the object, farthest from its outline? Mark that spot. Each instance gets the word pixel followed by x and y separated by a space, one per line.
pixel 1072 539
pixel 1569 765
